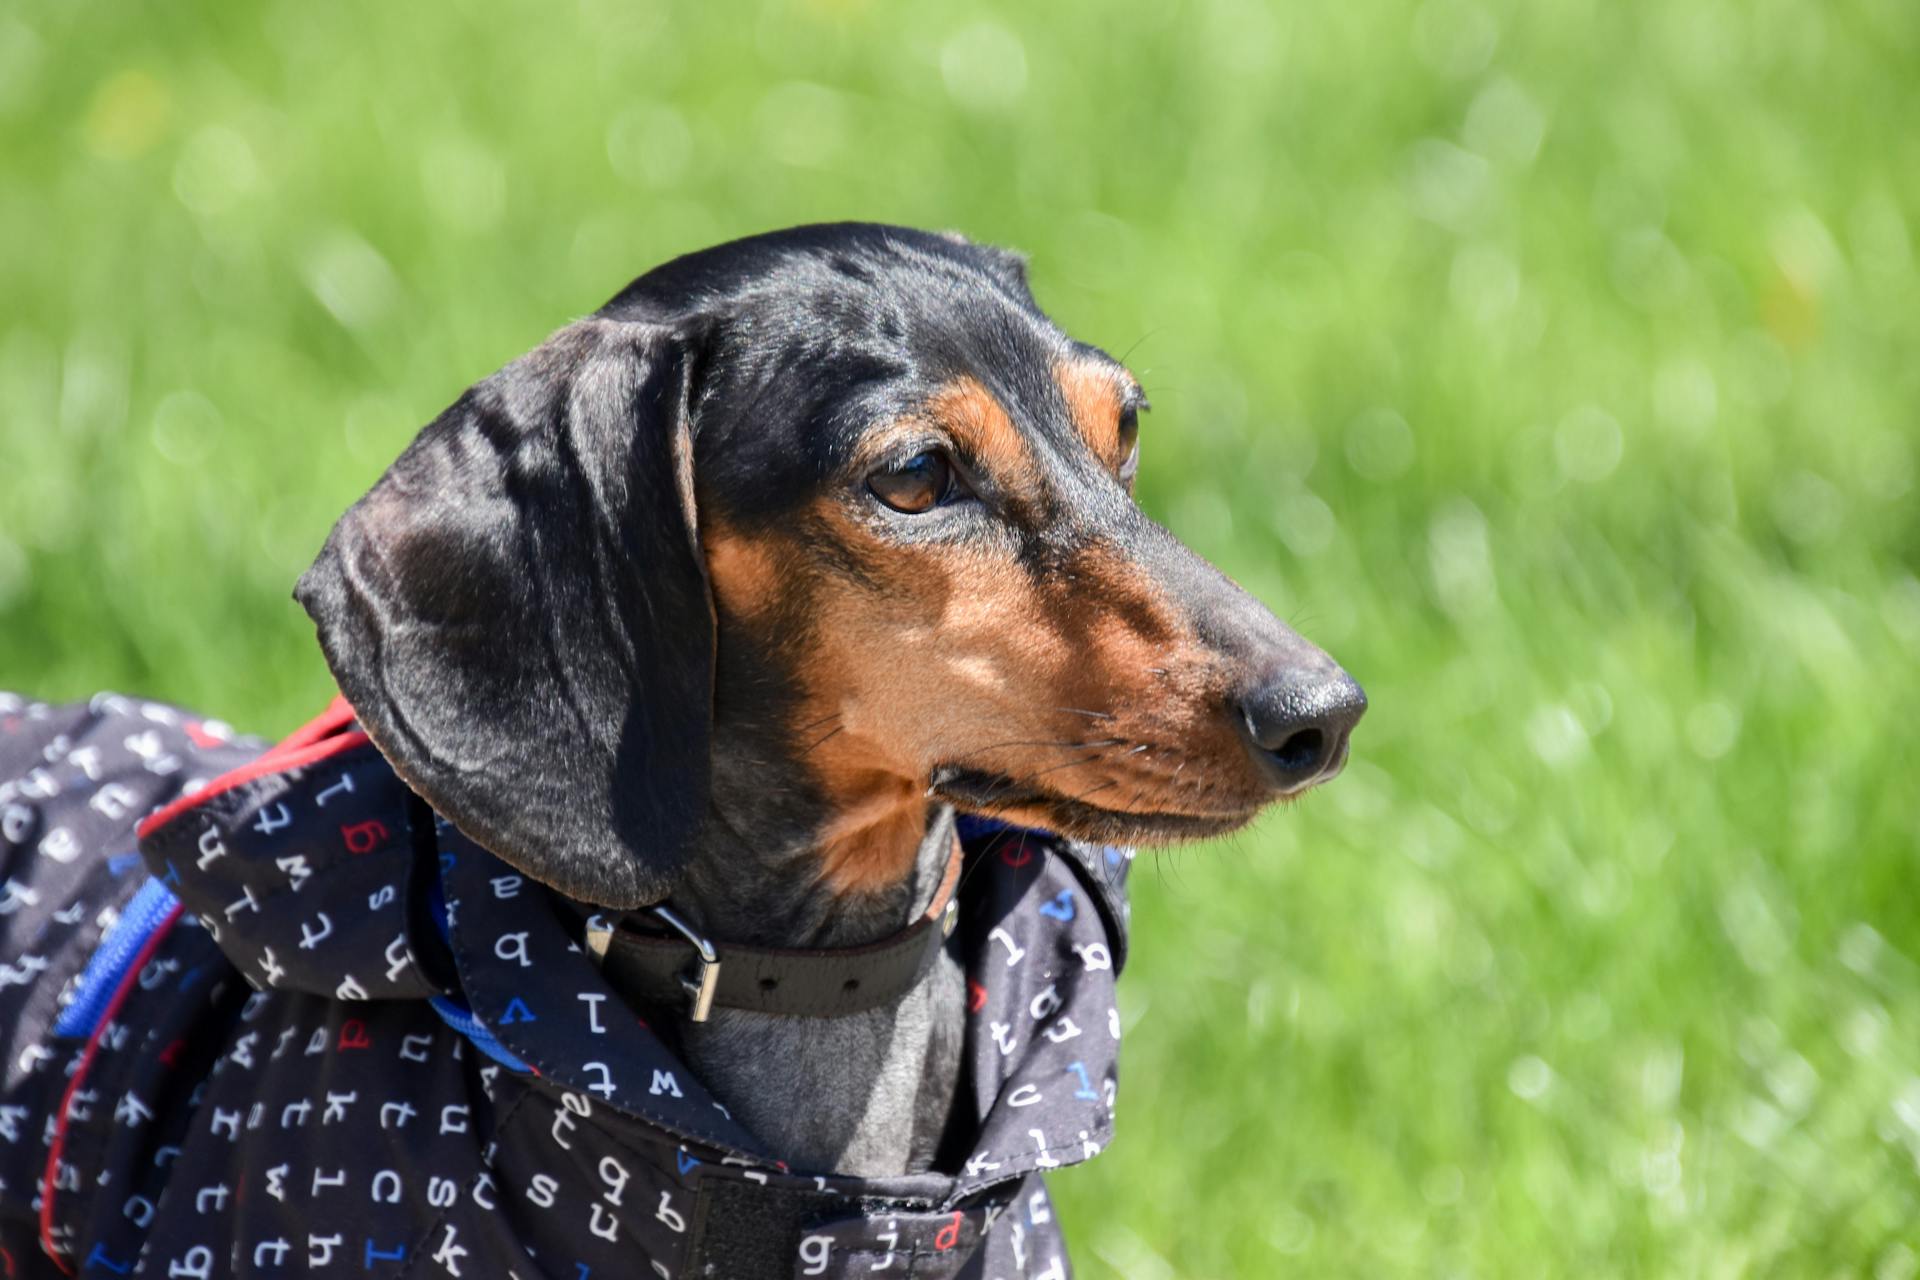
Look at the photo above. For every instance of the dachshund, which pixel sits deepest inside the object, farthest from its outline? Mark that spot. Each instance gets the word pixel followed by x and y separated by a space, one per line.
pixel 731 589
pixel 733 594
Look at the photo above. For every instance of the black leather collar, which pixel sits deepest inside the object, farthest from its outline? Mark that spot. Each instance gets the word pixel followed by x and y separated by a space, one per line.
pixel 681 967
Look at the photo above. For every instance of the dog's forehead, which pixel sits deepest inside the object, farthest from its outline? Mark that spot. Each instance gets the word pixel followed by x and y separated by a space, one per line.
pixel 922 342
pixel 940 312
pixel 821 343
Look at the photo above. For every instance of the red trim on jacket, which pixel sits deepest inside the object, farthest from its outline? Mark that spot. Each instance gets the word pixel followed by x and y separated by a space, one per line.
pixel 323 736
pixel 319 738
pixel 52 1173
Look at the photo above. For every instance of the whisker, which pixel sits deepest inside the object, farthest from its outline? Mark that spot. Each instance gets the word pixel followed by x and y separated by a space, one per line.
pixel 830 733
pixel 1078 711
pixel 1068 765
pixel 1057 744
pixel 1136 343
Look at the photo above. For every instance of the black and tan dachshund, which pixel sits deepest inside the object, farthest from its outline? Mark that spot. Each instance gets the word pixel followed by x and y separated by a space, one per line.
pixel 731 594
pixel 725 592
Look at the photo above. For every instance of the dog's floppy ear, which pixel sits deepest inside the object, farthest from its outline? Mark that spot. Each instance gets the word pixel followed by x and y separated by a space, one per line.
pixel 518 612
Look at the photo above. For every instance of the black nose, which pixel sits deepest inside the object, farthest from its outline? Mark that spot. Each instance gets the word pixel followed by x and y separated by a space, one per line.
pixel 1297 726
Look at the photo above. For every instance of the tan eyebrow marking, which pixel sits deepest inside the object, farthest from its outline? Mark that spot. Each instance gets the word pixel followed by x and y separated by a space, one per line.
pixel 985 434
pixel 979 424
pixel 1095 393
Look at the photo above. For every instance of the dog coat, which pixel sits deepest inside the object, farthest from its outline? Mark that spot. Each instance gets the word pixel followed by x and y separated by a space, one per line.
pixel 302 1026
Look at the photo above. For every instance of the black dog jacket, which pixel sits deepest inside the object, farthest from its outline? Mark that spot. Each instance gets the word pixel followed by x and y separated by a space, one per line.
pixel 306 1028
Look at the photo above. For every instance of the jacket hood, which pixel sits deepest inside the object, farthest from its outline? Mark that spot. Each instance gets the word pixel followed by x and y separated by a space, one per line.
pixel 301 865
pixel 316 870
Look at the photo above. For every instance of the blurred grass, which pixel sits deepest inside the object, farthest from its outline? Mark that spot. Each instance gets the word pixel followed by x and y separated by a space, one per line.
pixel 1553 365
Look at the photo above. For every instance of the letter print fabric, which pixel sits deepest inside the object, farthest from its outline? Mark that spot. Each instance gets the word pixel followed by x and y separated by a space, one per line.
pixel 364 1046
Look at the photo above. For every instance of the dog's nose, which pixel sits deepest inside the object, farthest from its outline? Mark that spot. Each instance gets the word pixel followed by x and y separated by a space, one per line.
pixel 1297 726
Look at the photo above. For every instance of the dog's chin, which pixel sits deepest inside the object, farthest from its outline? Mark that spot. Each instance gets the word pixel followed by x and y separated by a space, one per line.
pixel 996 796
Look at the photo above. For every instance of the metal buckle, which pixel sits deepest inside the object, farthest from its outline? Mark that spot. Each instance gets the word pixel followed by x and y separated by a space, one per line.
pixel 700 988
pixel 599 937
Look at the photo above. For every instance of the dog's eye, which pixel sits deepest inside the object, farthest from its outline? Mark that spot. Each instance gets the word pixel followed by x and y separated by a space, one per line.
pixel 916 486
pixel 1129 443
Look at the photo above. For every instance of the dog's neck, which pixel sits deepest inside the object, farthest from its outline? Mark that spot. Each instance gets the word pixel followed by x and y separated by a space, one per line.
pixel 759 872
pixel 867 1093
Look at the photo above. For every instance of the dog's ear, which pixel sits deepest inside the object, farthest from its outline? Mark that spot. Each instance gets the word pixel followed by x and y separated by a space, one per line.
pixel 518 612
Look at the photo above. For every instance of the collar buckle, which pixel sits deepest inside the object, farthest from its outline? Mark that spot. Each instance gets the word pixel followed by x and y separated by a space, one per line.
pixel 706 973
pixel 706 976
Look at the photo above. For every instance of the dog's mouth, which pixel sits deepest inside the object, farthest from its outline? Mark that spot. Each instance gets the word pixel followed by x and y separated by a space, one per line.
pixel 996 795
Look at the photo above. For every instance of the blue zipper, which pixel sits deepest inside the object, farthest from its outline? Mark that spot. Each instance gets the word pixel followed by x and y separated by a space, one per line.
pixel 461 1019
pixel 107 967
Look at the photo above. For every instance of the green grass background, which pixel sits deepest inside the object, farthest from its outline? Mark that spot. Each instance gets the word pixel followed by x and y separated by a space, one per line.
pixel 1555 365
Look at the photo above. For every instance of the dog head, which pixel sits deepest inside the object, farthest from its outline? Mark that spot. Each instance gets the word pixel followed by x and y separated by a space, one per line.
pixel 844 486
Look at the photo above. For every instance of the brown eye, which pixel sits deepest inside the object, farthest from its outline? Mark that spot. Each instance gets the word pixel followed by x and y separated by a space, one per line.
pixel 915 486
pixel 1129 443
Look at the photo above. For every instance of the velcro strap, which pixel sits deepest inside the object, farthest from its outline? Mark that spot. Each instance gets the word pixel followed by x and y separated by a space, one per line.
pixel 743 1230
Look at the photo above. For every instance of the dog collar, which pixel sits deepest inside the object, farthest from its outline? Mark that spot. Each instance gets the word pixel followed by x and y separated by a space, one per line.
pixel 826 982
